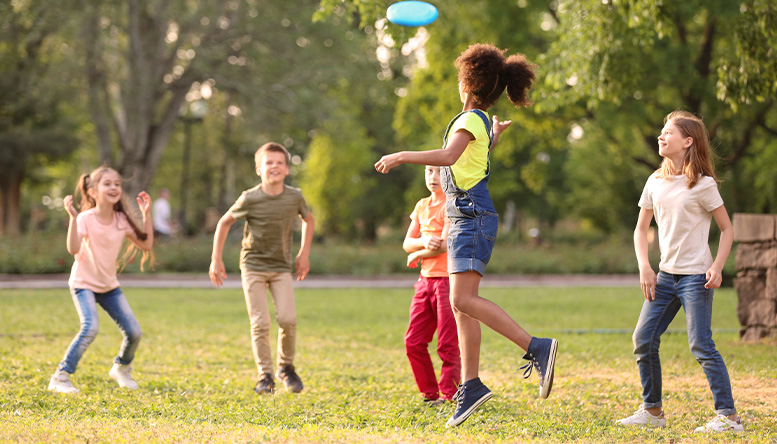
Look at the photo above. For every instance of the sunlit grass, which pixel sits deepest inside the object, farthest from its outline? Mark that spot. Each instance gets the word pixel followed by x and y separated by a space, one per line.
pixel 196 372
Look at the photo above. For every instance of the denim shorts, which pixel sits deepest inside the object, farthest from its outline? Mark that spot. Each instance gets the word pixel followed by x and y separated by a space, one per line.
pixel 471 234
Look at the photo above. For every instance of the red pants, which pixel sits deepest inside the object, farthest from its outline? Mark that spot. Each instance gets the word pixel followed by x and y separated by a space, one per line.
pixel 430 310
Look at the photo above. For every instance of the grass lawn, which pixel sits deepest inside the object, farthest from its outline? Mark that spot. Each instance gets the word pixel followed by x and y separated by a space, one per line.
pixel 196 373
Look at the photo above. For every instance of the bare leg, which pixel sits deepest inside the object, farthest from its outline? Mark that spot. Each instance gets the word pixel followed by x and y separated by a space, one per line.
pixel 470 309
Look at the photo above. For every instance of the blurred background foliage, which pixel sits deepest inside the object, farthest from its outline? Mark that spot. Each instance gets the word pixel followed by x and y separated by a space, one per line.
pixel 124 83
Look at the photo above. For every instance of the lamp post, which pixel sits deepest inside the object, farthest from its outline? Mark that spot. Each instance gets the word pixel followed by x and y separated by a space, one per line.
pixel 194 113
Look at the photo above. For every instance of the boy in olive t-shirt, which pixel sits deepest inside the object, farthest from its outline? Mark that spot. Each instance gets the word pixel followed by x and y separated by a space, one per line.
pixel 270 210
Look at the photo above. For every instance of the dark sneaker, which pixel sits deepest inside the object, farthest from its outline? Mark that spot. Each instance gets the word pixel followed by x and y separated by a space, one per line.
pixel 470 396
pixel 542 356
pixel 265 385
pixel 289 377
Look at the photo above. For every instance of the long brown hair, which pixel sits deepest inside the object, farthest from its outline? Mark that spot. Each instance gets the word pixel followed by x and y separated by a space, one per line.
pixel 698 157
pixel 87 181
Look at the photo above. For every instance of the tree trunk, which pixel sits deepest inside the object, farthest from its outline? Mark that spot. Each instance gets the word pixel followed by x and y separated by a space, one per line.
pixel 10 198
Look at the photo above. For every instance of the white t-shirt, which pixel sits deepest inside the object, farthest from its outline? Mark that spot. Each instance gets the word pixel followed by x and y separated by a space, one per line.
pixel 683 218
pixel 160 215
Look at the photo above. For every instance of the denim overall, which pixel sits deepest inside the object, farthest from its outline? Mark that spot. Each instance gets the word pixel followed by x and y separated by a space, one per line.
pixel 473 219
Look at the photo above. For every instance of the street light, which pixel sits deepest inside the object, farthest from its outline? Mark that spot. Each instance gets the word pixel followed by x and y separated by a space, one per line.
pixel 193 113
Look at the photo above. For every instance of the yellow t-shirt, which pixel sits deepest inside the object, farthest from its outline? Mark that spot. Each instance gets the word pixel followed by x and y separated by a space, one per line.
pixel 472 166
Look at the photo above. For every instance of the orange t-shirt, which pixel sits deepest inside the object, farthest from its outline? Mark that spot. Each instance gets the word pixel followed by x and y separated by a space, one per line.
pixel 95 265
pixel 431 218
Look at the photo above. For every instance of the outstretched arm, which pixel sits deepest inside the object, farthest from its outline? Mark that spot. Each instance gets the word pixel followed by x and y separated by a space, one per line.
pixel 439 157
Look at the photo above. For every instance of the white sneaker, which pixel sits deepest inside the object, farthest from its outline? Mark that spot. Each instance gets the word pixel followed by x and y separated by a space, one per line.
pixel 721 423
pixel 643 418
pixel 123 375
pixel 60 382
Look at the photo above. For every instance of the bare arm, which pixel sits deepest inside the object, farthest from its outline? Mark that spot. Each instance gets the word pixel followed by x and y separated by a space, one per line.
pixel 715 273
pixel 217 271
pixel 144 203
pixel 430 246
pixel 302 262
pixel 647 277
pixel 439 157
pixel 412 241
pixel 73 238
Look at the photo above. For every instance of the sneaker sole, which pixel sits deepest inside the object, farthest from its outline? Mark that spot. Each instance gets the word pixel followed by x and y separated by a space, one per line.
pixel 463 417
pixel 548 383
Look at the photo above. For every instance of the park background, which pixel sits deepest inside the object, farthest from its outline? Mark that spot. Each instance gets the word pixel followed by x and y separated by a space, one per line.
pixel 180 94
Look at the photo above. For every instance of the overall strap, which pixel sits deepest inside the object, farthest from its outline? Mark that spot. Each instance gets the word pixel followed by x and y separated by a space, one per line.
pixel 482 116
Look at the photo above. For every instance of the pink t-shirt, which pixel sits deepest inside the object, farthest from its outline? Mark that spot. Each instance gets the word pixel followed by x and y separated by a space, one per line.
pixel 95 265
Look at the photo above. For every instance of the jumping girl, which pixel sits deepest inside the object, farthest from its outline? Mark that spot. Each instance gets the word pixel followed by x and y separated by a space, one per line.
pixel 95 237
pixel 484 74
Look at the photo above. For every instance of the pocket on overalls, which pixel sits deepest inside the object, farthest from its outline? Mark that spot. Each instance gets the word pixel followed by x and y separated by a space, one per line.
pixel 489 224
pixel 462 205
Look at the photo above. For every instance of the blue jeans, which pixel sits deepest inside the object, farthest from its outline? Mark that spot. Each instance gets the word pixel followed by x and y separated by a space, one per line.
pixel 115 304
pixel 672 292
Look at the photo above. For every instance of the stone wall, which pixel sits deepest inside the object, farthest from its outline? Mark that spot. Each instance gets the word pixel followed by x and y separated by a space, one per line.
pixel 756 281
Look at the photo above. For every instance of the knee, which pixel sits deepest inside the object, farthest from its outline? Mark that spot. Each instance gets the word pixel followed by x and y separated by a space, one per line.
pixel 642 344
pixel 88 331
pixel 134 334
pixel 459 303
pixel 287 323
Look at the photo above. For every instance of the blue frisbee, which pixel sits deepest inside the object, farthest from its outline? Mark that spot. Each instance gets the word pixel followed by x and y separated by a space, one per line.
pixel 411 13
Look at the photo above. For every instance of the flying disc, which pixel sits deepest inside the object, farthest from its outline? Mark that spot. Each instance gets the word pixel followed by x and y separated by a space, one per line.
pixel 411 13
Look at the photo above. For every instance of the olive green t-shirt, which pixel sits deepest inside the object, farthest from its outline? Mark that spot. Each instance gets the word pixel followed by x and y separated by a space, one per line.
pixel 268 231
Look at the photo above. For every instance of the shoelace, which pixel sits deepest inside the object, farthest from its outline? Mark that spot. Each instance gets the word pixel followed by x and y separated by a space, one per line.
pixel 527 368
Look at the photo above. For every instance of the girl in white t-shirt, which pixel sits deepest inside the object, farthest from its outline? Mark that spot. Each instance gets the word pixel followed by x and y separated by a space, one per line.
pixel 94 238
pixel 683 197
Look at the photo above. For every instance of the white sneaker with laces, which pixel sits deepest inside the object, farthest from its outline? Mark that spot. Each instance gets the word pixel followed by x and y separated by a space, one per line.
pixel 60 383
pixel 123 375
pixel 643 418
pixel 721 423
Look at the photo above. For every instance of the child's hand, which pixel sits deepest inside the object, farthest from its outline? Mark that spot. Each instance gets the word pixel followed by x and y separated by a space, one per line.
pixel 432 243
pixel 302 267
pixel 500 126
pixel 217 272
pixel 144 202
pixel 412 260
pixel 387 162
pixel 714 278
pixel 647 280
pixel 68 204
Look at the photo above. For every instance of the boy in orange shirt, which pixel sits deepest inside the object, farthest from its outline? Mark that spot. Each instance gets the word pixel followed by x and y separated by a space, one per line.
pixel 430 309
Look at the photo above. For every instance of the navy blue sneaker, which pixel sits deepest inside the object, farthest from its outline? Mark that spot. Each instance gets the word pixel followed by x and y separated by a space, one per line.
pixel 541 355
pixel 470 396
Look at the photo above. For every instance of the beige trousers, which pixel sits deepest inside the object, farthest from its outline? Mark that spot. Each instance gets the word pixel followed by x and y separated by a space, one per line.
pixel 255 285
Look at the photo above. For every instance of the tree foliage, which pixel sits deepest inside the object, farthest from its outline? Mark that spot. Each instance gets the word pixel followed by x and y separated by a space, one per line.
pixel 34 126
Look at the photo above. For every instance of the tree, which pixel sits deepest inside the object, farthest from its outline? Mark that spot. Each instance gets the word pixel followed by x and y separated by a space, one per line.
pixel 632 62
pixel 33 126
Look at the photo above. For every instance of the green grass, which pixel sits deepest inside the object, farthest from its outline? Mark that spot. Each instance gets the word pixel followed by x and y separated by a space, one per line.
pixel 196 372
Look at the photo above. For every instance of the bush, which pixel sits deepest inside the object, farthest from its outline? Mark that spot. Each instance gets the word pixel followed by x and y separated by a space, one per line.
pixel 46 253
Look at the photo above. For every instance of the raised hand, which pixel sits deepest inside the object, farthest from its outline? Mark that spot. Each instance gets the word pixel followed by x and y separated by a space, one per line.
pixel 68 203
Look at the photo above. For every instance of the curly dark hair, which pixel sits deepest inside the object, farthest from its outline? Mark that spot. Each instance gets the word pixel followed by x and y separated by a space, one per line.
pixel 485 72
